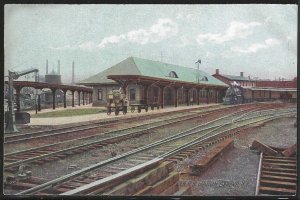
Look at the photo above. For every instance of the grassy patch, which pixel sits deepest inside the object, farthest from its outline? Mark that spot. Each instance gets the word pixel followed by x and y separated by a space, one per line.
pixel 70 112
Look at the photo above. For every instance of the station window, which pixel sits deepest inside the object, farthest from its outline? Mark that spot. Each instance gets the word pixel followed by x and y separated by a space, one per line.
pixel 132 94
pixel 204 78
pixel 194 94
pixel 203 93
pixel 173 74
pixel 100 94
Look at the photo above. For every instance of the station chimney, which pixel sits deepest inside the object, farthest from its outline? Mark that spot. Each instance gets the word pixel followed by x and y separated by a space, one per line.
pixel 73 74
pixel 47 66
pixel 58 67
pixel 242 74
pixel 217 71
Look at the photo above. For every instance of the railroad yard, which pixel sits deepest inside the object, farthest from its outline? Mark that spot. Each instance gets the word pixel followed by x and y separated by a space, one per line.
pixel 213 150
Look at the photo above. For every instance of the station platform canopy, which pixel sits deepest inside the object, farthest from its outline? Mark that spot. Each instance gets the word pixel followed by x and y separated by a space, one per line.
pixel 149 72
pixel 271 89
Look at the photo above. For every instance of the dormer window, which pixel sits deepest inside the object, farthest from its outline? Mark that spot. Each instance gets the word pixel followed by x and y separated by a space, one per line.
pixel 204 78
pixel 173 74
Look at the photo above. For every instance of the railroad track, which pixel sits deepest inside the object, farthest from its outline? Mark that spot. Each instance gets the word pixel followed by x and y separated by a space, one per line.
pixel 277 175
pixel 15 138
pixel 51 152
pixel 161 149
pixel 71 132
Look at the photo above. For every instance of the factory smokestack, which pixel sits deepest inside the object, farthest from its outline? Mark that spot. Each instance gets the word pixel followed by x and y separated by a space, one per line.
pixel 73 73
pixel 47 66
pixel 58 67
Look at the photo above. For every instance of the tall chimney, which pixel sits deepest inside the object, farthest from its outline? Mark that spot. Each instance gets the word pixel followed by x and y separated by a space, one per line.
pixel 58 67
pixel 47 66
pixel 73 74
pixel 242 74
pixel 217 71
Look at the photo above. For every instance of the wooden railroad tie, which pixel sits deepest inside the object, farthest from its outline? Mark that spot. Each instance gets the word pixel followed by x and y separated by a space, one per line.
pixel 277 176
pixel 266 150
pixel 202 165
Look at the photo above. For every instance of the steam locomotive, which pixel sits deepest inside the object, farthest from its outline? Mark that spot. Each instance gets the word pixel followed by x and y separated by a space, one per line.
pixel 234 95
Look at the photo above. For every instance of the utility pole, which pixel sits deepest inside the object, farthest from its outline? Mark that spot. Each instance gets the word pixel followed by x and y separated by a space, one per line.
pixel 198 75
pixel 36 74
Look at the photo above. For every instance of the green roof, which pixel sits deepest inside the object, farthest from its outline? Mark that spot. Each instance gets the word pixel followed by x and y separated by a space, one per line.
pixel 150 68
pixel 237 78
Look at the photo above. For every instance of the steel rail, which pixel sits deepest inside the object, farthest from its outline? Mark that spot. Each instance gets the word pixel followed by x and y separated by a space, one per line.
pixel 29 136
pixel 88 137
pixel 195 141
pixel 14 164
pixel 116 131
pixel 258 174
pixel 98 183
pixel 108 161
pixel 92 167
pixel 207 111
pixel 107 121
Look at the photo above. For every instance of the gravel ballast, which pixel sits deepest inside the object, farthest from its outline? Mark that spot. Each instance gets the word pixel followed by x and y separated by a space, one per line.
pixel 235 173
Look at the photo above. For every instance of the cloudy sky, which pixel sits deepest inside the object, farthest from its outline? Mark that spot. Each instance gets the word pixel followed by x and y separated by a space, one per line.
pixel 260 40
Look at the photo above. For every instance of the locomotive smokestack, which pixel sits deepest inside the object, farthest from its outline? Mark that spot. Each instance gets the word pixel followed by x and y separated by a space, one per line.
pixel 47 66
pixel 73 73
pixel 58 67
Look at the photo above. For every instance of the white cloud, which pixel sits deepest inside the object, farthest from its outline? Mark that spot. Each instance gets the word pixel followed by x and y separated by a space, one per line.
pixel 114 39
pixel 255 47
pixel 88 46
pixel 162 29
pixel 140 36
pixel 272 42
pixel 234 31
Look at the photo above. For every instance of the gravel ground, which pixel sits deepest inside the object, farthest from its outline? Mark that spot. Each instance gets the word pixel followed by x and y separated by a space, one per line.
pixel 59 168
pixel 234 174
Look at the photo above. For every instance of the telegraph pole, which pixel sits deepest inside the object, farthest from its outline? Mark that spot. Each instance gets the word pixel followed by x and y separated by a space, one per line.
pixel 198 75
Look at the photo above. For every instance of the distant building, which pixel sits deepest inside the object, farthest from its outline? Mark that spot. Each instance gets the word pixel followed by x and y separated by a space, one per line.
pixel 229 79
pixel 278 84
pixel 274 90
pixel 262 90
pixel 153 81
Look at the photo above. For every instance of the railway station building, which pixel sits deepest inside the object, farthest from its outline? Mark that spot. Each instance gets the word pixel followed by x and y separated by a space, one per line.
pixel 150 82
pixel 229 79
pixel 266 90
